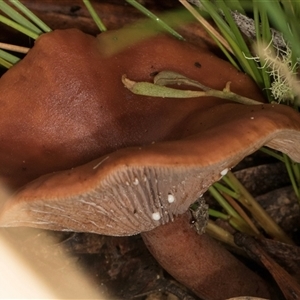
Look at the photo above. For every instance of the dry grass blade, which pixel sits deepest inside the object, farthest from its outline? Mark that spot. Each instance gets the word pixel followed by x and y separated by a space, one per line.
pixel 206 25
pixel 14 48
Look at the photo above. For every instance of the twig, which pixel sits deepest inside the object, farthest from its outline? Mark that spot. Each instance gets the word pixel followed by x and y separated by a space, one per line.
pixel 14 48
pixel 286 282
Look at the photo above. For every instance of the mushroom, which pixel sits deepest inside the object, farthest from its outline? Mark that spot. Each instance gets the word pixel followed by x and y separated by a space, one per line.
pixel 168 243
pixel 73 92
pixel 155 156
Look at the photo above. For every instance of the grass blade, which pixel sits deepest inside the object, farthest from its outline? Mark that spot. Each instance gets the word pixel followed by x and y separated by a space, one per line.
pixel 94 15
pixel 18 18
pixel 222 201
pixel 258 213
pixel 18 27
pixel 209 28
pixel 272 153
pixel 233 36
pixel 263 37
pixel 240 47
pixel 31 16
pixel 286 23
pixel 5 63
pixel 152 16
pixel 8 57
pixel 289 168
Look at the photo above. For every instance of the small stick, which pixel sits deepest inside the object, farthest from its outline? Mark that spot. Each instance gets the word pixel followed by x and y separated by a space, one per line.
pixel 288 285
pixel 14 48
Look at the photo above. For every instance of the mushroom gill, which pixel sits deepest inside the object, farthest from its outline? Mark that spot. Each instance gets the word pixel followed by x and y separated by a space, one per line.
pixel 118 163
pixel 136 189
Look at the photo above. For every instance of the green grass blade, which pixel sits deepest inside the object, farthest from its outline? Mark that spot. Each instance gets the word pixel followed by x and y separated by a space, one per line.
pixel 152 16
pixel 5 63
pixel 236 6
pixel 9 57
pixel 227 54
pixel 289 168
pixel 31 16
pixel 18 18
pixel 256 15
pixel 18 27
pixel 233 36
pixel 272 153
pixel 223 202
pixel 94 15
pixel 266 36
pixel 296 171
pixel 226 190
pixel 286 23
pixel 296 6
pixel 263 37
pixel 219 40
pixel 241 49
pixel 288 7
pixel 212 10
pixel 232 25
pixel 222 25
pixel 218 214
pixel 258 213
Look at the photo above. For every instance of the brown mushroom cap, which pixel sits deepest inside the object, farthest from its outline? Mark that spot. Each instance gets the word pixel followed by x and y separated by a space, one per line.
pixel 139 188
pixel 79 110
pixel 65 105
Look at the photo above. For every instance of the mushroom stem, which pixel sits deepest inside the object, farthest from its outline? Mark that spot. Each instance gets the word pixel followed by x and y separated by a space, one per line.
pixel 200 263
